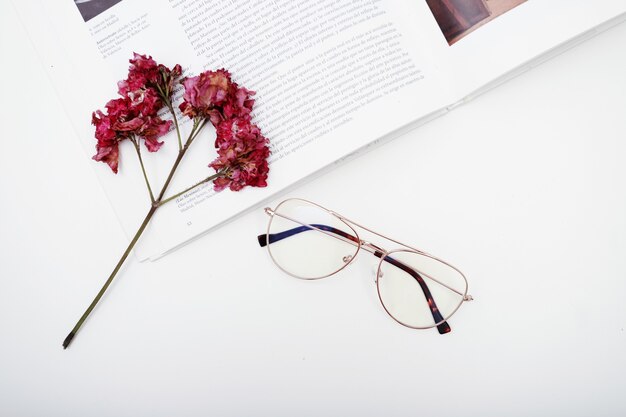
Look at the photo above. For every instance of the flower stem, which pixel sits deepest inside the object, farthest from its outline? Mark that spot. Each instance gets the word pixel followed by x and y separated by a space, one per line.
pixel 181 153
pixel 165 96
pixel 207 179
pixel 156 203
pixel 143 169
pixel 198 124
pixel 171 108
pixel 132 243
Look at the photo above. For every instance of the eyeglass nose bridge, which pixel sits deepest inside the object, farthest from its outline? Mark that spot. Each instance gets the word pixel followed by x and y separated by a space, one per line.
pixel 372 248
pixel 367 246
pixel 376 251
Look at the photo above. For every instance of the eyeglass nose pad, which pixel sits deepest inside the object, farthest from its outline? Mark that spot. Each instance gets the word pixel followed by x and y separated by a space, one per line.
pixel 346 259
pixel 378 273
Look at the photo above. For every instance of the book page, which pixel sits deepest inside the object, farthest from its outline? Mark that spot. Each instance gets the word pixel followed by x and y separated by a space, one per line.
pixel 477 41
pixel 323 70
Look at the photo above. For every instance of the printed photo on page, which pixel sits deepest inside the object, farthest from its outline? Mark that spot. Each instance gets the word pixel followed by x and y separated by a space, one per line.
pixel 458 18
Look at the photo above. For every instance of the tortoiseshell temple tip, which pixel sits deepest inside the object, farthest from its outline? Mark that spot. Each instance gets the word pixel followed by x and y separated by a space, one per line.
pixel 262 240
pixel 444 328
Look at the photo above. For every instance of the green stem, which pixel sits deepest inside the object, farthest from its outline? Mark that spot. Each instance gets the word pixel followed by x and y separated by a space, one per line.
pixel 207 179
pixel 198 124
pixel 143 169
pixel 179 158
pixel 171 108
pixel 80 322
pixel 155 205
pixel 165 96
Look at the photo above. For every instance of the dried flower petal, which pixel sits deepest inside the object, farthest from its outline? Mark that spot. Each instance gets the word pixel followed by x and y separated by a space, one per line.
pixel 102 122
pixel 239 103
pixel 152 130
pixel 108 155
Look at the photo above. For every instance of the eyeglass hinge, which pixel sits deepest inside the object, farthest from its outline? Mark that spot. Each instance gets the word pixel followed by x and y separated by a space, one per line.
pixel 268 211
pixel 468 298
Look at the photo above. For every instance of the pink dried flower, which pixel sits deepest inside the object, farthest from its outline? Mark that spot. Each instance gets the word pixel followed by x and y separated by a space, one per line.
pixel 149 85
pixel 242 149
pixel 204 93
pixel 213 95
pixel 143 70
pixel 132 116
pixel 242 155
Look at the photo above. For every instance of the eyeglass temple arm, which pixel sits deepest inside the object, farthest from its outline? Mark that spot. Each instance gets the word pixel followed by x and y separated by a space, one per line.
pixel 443 326
pixel 275 237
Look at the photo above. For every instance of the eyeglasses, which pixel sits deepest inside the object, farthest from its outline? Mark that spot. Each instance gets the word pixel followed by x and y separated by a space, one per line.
pixel 417 290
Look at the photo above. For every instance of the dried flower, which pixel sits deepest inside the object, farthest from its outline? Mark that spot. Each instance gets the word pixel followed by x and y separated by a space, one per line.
pixel 127 119
pixel 242 155
pixel 143 70
pixel 241 147
pixel 204 93
pixel 143 93
pixel 213 95
pixel 144 73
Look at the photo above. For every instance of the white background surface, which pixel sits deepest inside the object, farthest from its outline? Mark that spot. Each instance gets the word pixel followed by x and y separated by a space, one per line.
pixel 523 189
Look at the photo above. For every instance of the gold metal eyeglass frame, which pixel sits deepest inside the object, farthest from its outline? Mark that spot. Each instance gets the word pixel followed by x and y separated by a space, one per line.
pixel 383 254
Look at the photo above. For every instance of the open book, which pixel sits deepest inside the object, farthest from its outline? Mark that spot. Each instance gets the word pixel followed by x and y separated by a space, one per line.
pixel 332 78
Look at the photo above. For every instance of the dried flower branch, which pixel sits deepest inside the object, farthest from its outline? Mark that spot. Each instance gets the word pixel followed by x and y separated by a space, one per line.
pixel 211 96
